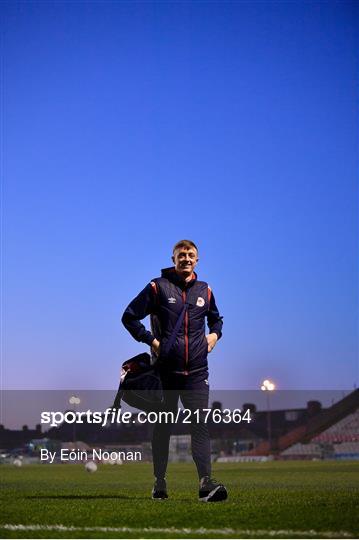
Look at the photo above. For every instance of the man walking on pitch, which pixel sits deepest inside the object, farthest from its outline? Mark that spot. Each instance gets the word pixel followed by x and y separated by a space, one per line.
pixel 179 304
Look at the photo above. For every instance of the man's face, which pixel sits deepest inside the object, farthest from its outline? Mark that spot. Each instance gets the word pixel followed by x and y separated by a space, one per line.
pixel 185 260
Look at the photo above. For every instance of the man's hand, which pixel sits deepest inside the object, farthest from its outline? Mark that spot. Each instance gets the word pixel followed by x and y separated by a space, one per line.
pixel 211 340
pixel 156 347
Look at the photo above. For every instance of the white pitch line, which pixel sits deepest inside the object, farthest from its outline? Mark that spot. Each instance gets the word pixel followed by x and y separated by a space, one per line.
pixel 264 533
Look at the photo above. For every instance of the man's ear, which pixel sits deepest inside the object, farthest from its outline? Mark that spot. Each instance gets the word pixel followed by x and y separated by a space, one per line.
pixel 173 259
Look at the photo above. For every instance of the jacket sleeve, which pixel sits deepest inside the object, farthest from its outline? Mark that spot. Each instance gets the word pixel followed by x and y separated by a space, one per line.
pixel 214 319
pixel 138 309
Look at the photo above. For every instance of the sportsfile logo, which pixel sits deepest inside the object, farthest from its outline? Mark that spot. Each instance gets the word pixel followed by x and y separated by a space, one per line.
pixel 112 416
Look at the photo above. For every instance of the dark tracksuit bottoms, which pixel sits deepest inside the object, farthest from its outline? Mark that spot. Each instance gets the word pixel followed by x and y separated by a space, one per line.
pixel 193 390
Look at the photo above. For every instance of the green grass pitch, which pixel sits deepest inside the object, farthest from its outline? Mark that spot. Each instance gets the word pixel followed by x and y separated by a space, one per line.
pixel 273 499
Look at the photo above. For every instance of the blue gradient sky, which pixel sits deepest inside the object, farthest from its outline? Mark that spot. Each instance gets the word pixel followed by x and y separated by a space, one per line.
pixel 129 125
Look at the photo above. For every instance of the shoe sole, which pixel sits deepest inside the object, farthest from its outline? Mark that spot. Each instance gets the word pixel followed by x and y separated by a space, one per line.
pixel 218 494
pixel 159 498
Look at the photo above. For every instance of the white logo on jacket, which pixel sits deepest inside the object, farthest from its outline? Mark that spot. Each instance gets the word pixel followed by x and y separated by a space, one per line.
pixel 172 300
pixel 200 301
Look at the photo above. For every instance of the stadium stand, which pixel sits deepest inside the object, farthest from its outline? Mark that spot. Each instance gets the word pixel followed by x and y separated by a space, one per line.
pixel 339 441
pixel 303 451
pixel 351 448
pixel 341 418
pixel 346 430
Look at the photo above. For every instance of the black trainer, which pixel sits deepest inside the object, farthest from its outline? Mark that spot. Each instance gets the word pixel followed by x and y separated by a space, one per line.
pixel 159 491
pixel 211 491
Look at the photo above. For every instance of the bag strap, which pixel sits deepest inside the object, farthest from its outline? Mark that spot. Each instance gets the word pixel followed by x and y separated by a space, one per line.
pixel 168 346
pixel 164 351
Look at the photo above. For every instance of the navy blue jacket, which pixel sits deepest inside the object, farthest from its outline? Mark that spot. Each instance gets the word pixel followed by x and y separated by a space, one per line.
pixel 163 299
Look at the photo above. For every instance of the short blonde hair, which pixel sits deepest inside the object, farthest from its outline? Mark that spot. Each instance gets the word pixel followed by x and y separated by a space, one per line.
pixel 188 244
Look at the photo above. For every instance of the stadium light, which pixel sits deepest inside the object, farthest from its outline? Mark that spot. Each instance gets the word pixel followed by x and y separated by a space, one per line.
pixel 74 400
pixel 268 386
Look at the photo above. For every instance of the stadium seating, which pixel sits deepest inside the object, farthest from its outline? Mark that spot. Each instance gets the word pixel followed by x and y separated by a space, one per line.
pixel 346 430
pixel 341 440
pixel 299 450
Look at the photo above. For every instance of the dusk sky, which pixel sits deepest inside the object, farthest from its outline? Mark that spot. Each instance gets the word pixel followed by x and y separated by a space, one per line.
pixel 127 126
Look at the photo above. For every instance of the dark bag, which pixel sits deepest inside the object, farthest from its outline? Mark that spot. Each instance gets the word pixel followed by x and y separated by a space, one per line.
pixel 140 383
